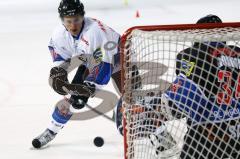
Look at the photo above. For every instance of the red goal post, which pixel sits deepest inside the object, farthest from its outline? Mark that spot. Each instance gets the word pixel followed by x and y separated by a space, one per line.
pixel 127 55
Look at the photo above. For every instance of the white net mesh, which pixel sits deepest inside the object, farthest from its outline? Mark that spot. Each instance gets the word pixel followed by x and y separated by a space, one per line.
pixel 182 94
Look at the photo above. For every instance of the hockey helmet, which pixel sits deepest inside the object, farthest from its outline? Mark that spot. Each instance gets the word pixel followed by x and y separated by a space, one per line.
pixel 71 8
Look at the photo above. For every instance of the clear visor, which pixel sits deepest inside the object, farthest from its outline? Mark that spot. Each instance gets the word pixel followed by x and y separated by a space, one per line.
pixel 72 20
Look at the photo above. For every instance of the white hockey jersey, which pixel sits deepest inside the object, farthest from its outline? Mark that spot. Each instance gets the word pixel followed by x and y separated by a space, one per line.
pixel 95 40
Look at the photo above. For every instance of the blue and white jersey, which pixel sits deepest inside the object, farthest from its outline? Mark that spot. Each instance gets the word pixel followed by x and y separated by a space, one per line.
pixel 207 86
pixel 190 99
pixel 96 41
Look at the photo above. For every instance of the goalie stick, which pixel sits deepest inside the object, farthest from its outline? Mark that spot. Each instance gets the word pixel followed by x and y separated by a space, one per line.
pixel 94 110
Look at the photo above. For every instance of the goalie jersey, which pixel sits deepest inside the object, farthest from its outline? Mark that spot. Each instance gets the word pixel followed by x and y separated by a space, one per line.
pixel 96 41
pixel 207 91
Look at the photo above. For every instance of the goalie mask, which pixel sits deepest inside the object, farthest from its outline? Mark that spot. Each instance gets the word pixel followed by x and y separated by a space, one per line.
pixel 209 19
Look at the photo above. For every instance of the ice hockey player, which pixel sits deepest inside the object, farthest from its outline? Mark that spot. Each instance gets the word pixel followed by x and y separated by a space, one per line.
pixel 206 92
pixel 88 38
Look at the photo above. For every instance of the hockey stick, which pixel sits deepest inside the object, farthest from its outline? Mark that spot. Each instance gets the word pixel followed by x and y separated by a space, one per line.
pixel 65 102
pixel 99 113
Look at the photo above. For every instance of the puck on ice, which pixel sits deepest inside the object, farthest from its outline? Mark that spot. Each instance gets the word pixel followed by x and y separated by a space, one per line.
pixel 98 141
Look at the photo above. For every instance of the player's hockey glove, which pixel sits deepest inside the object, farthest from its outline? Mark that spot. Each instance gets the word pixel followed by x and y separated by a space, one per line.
pixel 58 78
pixel 91 87
pixel 86 89
pixel 78 102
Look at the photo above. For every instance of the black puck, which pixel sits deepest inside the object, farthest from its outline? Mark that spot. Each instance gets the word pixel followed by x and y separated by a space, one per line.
pixel 98 141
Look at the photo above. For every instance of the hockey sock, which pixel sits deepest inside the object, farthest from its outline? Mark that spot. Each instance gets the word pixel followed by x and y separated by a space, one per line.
pixel 59 119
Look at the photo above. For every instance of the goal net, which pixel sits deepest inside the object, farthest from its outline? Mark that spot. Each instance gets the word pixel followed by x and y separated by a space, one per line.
pixel 181 91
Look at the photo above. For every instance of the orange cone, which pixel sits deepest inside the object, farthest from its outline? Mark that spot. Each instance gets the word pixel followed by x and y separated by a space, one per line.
pixel 137 14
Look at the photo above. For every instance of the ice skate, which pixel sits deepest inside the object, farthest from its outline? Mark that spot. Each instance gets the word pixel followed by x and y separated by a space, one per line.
pixel 162 142
pixel 43 139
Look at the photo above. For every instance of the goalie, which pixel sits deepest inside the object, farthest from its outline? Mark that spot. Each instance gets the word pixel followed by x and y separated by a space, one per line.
pixel 206 91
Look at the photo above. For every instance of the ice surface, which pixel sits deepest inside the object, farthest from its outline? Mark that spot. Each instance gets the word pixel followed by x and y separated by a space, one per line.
pixel 25 96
